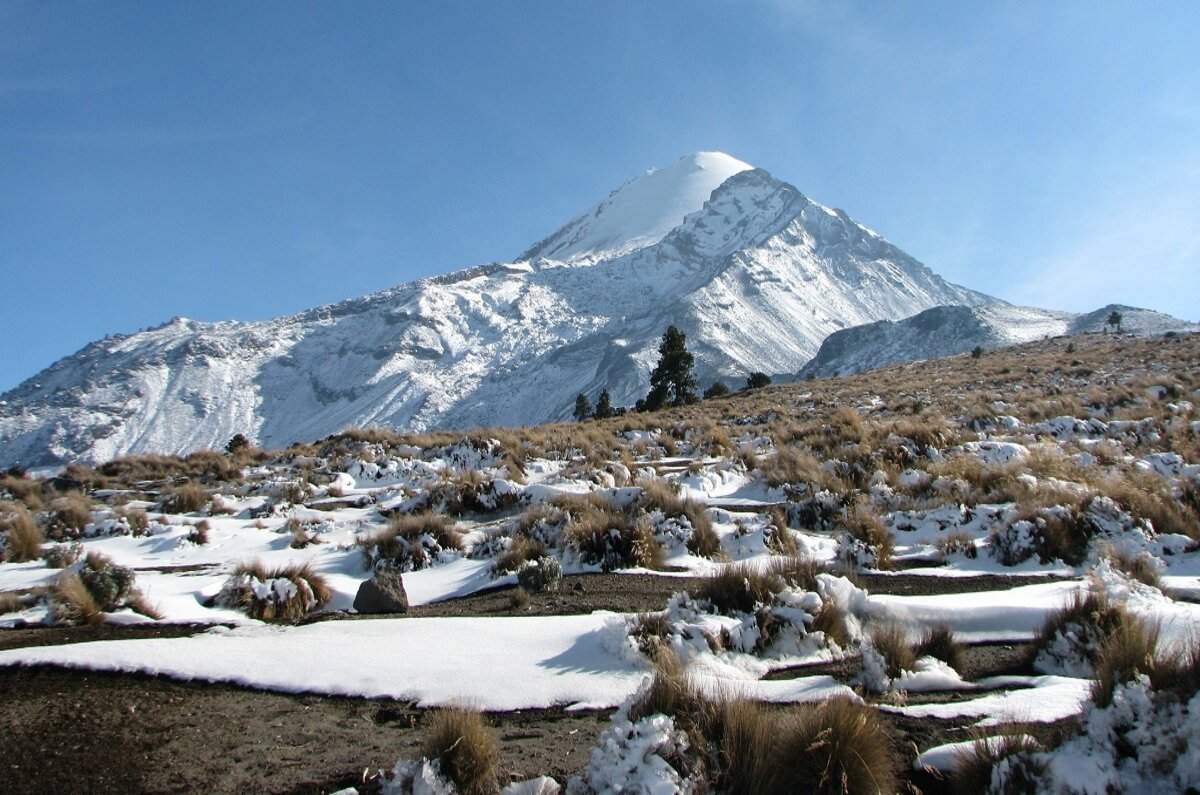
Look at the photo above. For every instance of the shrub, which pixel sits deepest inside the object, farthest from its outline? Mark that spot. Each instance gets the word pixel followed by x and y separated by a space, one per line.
pixel 410 542
pixel 108 583
pixel 658 495
pixel 60 556
pixel 740 587
pixel 602 535
pixel 957 542
pixel 286 593
pixel 137 519
pixel 650 630
pixel 940 642
pixel 302 533
pixel 22 536
pixel 70 513
pixel 542 574
pixel 23 490
pixel 187 498
pixel 838 746
pixel 520 551
pixel 1072 638
pixel 199 532
pixel 1177 669
pixel 465 748
pixel 862 524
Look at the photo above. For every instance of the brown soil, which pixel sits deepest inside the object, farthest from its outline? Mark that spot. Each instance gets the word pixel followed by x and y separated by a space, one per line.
pixel 76 732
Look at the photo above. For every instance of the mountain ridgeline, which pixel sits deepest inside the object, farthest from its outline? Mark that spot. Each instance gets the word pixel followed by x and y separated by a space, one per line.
pixel 756 275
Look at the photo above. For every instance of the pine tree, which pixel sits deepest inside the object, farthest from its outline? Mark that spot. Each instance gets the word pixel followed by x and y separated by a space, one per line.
pixel 1114 320
pixel 716 390
pixel 583 407
pixel 758 380
pixel 672 380
pixel 603 406
pixel 238 442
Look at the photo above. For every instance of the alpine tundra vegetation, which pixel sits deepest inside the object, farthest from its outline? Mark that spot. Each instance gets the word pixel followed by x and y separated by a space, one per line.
pixel 965 574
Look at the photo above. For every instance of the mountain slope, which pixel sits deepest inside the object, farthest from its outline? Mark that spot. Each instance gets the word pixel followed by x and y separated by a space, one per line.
pixel 949 330
pixel 756 274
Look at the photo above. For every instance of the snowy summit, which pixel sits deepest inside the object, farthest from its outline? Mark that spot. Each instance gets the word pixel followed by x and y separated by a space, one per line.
pixel 642 211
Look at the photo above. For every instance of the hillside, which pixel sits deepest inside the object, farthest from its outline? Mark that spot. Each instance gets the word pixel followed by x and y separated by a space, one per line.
pixel 903 560
pixel 947 330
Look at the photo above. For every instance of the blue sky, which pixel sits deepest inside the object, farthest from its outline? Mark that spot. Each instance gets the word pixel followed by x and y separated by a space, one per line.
pixel 244 160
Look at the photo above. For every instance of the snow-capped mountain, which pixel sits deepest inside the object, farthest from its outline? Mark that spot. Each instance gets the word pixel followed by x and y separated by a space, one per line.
pixel 947 330
pixel 753 271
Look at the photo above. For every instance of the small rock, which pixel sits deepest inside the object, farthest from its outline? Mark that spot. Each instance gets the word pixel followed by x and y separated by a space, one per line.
pixel 383 593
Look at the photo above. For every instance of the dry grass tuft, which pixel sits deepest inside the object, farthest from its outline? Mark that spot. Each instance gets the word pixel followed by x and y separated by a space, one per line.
pixel 466 749
pixel 740 587
pixel 1128 650
pixel 71 512
pixel 659 495
pixel 188 498
pixel 609 537
pixel 832 621
pixel 199 532
pixel 73 603
pixel 291 592
pixel 10 603
pixel 974 765
pixel 862 523
pixel 940 642
pixel 1141 566
pixel 409 542
pixel 22 536
pixel 837 747
pixel 891 641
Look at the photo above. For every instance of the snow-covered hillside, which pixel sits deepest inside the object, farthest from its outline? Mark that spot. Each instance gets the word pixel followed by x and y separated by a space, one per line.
pixel 754 272
pixel 947 330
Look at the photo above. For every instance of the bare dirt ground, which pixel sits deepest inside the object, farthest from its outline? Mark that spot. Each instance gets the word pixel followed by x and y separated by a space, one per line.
pixel 76 731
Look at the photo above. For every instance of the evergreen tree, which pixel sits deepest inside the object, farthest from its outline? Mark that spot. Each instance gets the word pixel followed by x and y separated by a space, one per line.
pixel 758 380
pixel 603 406
pixel 1114 320
pixel 716 390
pixel 583 407
pixel 672 380
pixel 238 442
pixel 977 352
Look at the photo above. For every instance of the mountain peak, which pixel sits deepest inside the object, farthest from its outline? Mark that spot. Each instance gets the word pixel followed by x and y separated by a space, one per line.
pixel 641 212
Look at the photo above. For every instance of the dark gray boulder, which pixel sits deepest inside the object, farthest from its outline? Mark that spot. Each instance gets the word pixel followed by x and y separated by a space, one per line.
pixel 383 593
